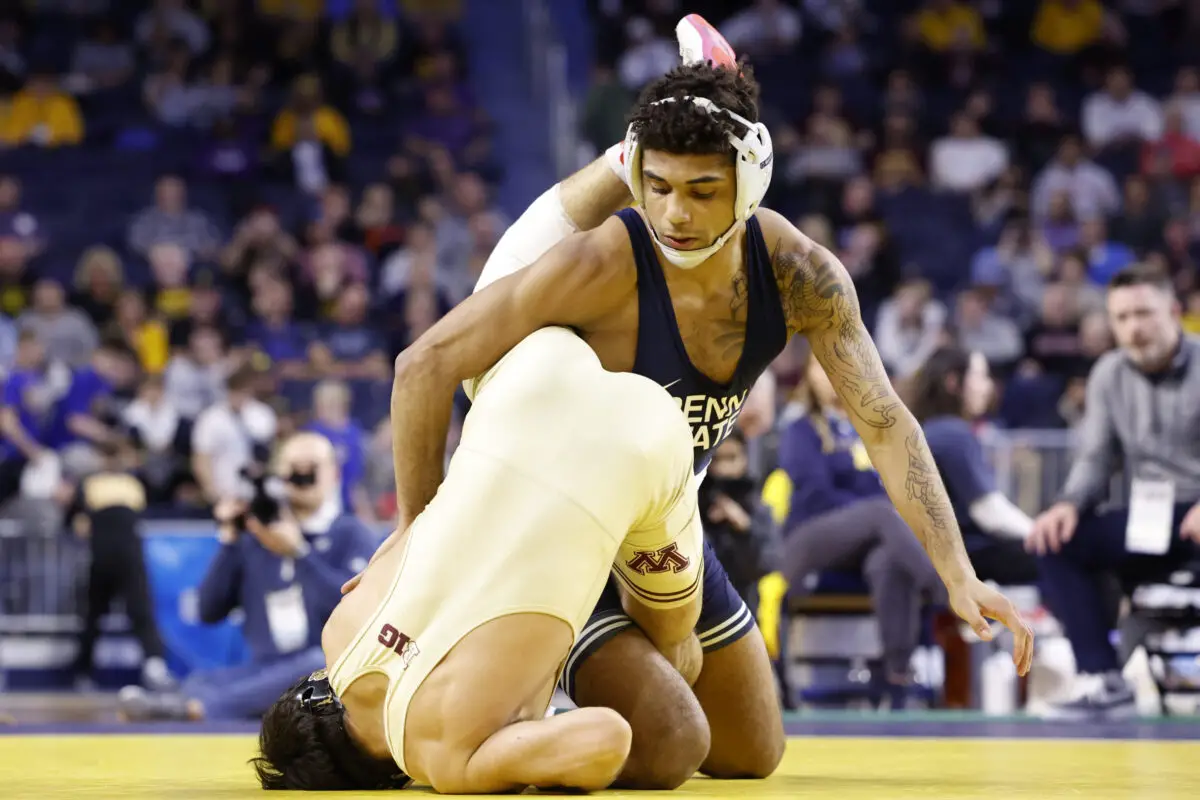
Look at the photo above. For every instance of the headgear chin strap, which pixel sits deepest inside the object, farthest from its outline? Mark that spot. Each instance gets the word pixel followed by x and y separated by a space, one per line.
pixel 316 696
pixel 754 165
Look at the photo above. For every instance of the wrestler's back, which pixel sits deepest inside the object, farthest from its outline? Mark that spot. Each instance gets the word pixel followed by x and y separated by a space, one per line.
pixel 523 524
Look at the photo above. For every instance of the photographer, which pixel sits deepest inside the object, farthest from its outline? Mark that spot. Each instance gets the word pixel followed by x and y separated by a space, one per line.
pixel 283 562
pixel 739 527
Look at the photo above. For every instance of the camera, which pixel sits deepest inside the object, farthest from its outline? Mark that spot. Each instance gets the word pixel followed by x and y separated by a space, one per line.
pixel 263 506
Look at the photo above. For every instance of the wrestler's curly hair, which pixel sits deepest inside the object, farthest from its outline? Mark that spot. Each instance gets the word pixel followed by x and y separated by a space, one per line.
pixel 314 752
pixel 684 129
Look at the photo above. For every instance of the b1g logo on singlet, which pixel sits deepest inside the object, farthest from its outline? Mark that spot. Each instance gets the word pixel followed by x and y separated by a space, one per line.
pixel 712 418
pixel 666 559
pixel 398 643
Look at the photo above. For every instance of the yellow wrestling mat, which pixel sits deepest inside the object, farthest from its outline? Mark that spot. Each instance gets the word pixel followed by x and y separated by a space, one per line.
pixel 213 766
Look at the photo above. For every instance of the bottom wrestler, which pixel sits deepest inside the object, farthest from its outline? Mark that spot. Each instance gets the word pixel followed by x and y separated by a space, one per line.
pixel 443 659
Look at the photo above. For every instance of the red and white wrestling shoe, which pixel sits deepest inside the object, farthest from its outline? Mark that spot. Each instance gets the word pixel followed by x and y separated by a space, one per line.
pixel 700 41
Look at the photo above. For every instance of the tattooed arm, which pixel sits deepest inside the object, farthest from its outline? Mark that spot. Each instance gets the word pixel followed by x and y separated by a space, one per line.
pixel 820 302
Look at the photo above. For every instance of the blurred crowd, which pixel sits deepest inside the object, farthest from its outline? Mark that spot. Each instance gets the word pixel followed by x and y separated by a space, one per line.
pixel 249 203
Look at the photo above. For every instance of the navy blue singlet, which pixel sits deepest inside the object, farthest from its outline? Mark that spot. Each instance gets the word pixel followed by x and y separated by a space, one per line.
pixel 711 408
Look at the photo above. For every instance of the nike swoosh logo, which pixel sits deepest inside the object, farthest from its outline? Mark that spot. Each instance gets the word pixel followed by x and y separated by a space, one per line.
pixel 672 383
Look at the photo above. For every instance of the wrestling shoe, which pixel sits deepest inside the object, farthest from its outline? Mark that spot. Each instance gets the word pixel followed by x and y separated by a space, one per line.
pixel 700 41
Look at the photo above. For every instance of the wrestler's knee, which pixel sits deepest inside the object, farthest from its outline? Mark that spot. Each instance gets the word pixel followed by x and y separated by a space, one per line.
pixel 751 760
pixel 671 736
pixel 668 751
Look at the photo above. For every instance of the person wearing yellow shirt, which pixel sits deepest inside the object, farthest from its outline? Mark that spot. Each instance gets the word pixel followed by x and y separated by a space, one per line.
pixel 331 127
pixel 1065 27
pixel 948 25
pixel 42 115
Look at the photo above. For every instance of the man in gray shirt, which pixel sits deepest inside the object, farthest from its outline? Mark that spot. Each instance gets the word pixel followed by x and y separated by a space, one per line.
pixel 1142 406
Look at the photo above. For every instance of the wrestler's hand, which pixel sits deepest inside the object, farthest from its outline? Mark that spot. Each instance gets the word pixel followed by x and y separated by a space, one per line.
pixel 687 657
pixel 973 600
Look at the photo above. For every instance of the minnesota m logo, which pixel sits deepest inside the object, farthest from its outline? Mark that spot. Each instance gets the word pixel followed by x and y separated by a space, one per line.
pixel 663 560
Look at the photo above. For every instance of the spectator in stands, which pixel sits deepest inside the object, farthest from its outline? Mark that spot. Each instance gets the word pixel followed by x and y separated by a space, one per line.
pixel 102 60
pixel 1186 98
pixel 160 434
pixel 375 227
pixel 953 39
pixel 230 436
pixel 145 335
pixel 838 517
pixel 16 282
pixel 348 347
pixel 1090 188
pixel 12 62
pixel 953 392
pixel 16 221
pixel 1179 148
pixel 170 221
pixel 331 419
pixel 97 284
pixel 365 38
pixel 966 160
pixel 328 267
pixel 1120 116
pixel 66 332
pixel 1140 223
pixel 1105 257
pixel 310 163
pixel 274 333
pixel 173 18
pixel 1042 127
pixel 171 295
pixel 1060 227
pixel 166 93
pixel 1072 275
pixel 765 28
pixel 1068 27
pixel 1053 342
pixel 106 511
pixel 1139 408
pixel 29 416
pixel 286 576
pixel 91 408
pixel 1018 266
pixel 328 126
pixel 40 115
pixel 909 327
pixel 979 329
pixel 195 376
pixel 602 119
pixel 257 239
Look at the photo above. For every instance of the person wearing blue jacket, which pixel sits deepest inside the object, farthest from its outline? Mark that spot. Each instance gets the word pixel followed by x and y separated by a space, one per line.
pixel 839 517
pixel 285 576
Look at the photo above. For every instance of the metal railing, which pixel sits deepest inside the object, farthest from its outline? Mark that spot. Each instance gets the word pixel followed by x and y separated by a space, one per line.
pixel 549 71
pixel 1031 466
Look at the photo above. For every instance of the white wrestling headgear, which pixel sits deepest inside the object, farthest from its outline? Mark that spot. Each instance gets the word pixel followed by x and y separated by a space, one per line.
pixel 754 166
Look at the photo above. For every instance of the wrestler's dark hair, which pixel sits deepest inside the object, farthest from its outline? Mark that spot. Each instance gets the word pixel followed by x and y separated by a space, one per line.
pixel 684 129
pixel 314 752
pixel 931 397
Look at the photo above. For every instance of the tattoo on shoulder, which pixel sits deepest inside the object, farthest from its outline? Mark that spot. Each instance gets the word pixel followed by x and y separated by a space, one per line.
pixel 819 300
pixel 921 483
